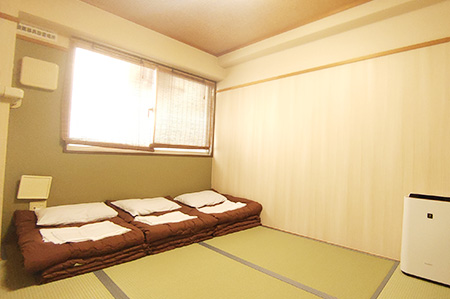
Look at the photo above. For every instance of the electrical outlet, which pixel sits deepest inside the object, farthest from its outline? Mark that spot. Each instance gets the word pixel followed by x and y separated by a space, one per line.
pixel 34 205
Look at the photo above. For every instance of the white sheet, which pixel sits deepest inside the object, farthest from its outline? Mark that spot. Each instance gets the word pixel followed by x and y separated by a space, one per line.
pixel 223 207
pixel 171 217
pixel 87 232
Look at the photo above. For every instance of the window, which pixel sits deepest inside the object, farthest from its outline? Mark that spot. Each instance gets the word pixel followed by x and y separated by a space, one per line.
pixel 121 102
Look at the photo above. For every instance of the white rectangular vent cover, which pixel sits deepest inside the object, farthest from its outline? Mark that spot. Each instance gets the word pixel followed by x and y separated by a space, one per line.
pixel 36 32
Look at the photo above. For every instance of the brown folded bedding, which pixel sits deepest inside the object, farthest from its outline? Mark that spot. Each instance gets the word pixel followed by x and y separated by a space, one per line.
pixel 167 236
pixel 228 228
pixel 78 266
pixel 251 209
pixel 155 233
pixel 40 256
pixel 56 261
pixel 179 241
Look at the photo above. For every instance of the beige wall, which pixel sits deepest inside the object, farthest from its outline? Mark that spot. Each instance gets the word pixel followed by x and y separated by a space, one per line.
pixel 330 154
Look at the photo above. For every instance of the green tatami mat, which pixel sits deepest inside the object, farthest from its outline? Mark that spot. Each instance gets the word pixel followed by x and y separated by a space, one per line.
pixel 79 287
pixel 197 272
pixel 403 286
pixel 333 270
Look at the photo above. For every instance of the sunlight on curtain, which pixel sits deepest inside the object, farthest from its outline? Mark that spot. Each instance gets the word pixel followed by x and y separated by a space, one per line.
pixel 121 91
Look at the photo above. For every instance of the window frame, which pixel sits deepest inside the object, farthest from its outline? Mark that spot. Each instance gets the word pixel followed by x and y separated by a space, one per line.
pixel 79 146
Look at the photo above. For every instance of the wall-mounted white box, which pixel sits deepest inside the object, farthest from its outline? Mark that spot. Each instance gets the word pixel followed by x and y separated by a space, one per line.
pixel 39 73
pixel 34 187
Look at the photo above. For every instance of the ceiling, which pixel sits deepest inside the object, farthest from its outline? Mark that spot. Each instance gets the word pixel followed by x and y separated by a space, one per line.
pixel 219 27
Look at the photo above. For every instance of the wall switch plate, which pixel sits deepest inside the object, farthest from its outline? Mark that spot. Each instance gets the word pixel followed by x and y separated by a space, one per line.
pixel 34 205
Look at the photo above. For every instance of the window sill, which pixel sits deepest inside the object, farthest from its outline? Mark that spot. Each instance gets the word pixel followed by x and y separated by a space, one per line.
pixel 77 148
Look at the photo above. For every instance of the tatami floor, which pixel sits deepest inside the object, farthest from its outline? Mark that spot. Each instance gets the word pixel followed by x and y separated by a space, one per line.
pixel 255 263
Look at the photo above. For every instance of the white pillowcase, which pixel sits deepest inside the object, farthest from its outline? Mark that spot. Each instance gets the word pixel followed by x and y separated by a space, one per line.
pixel 77 213
pixel 201 199
pixel 140 207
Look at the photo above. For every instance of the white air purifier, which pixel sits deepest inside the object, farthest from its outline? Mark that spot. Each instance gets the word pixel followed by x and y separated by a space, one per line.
pixel 426 237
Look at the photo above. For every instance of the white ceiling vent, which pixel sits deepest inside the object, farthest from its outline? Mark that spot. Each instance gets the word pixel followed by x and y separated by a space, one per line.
pixel 37 32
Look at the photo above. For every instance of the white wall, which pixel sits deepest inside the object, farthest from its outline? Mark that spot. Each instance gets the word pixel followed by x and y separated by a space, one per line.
pixel 331 153
pixel 7 44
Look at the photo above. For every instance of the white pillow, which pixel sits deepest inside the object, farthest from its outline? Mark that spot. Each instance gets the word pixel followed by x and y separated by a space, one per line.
pixel 200 199
pixel 67 214
pixel 140 207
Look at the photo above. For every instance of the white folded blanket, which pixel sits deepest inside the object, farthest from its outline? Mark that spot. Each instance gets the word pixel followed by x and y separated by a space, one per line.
pixel 171 217
pixel 87 232
pixel 223 207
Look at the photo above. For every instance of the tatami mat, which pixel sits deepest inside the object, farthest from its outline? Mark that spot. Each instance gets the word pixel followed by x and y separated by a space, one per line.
pixel 85 286
pixel 197 272
pixel 336 271
pixel 403 286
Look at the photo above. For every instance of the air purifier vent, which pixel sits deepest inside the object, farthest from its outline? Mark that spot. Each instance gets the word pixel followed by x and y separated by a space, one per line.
pixel 37 32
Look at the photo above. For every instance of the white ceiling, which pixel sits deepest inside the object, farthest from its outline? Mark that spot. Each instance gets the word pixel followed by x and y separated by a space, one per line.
pixel 220 27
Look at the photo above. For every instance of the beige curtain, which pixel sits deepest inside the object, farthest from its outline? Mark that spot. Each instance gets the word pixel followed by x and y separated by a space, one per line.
pixel 330 154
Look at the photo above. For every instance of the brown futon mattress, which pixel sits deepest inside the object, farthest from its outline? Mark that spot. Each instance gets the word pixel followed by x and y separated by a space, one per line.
pixel 168 236
pixel 55 261
pixel 239 219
